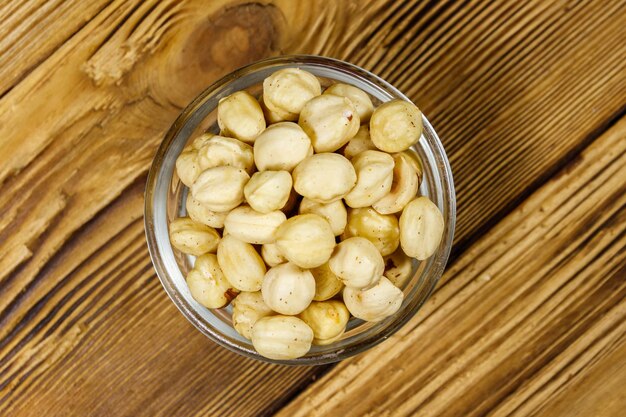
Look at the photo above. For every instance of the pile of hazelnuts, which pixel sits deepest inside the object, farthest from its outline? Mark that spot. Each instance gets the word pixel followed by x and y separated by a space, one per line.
pixel 304 211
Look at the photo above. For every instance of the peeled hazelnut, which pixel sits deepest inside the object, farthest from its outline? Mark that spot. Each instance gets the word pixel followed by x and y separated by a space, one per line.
pixel 330 121
pixel 241 264
pixel 374 304
pixel 288 289
pixel 240 115
pixel 403 188
pixel 286 91
pixel 275 117
pixel 221 151
pixel 374 171
pixel 327 319
pixel 271 255
pixel 207 283
pixel 359 143
pixel 199 213
pixel 359 98
pixel 327 284
pixel 414 159
pixel 281 337
pixel 324 177
pixel 200 141
pixel 250 226
pixel 395 126
pixel 380 229
pixel 335 213
pixel 187 166
pixel 357 263
pixel 306 240
pixel 221 188
pixel 421 228
pixel 398 268
pixel 281 147
pixel 193 238
pixel 268 190
pixel 248 307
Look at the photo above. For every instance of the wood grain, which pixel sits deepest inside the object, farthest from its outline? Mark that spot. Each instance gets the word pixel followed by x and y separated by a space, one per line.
pixel 529 314
pixel 87 90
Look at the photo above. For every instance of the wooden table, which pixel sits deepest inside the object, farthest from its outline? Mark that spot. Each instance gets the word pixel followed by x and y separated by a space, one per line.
pixel 529 98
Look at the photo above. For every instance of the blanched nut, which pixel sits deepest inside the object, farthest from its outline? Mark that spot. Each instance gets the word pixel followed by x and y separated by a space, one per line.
pixel 414 159
pixel 396 125
pixel 221 188
pixel 240 115
pixel 357 263
pixel 274 117
pixel 286 91
pixel 327 284
pixel 327 319
pixel 359 98
pixel 288 289
pixel 335 213
pixel 398 268
pixel 193 238
pixel 207 283
pixel 421 228
pixel 200 141
pixel 359 143
pixel 281 337
pixel 330 121
pixel 187 166
pixel 268 190
pixel 374 171
pixel 281 147
pixel 380 229
pixel 271 255
pixel 199 213
pixel 250 226
pixel 324 177
pixel 306 240
pixel 403 187
pixel 248 307
pixel 241 264
pixel 222 151
pixel 374 304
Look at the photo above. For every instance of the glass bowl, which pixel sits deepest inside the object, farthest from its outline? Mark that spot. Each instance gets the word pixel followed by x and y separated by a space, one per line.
pixel 165 200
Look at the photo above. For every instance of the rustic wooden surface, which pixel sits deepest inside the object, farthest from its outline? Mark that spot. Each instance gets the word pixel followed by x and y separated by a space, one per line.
pixel 529 98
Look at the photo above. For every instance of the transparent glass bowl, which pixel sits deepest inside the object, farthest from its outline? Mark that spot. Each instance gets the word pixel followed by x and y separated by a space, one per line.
pixel 165 200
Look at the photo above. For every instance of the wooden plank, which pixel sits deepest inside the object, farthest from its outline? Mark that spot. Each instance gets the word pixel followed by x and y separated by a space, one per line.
pixel 578 400
pixel 526 319
pixel 86 109
pixel 32 31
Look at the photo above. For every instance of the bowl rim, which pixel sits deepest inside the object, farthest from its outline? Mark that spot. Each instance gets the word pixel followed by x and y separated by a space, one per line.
pixel 401 317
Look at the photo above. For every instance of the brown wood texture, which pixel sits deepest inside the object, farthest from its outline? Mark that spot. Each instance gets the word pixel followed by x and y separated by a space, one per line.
pixel 517 90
